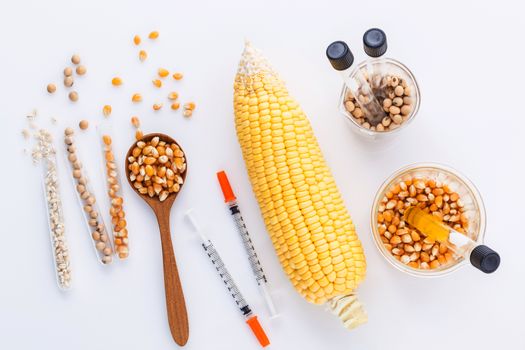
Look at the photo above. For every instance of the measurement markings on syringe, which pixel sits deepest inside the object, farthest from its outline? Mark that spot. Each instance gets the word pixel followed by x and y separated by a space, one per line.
pixel 248 244
pixel 226 277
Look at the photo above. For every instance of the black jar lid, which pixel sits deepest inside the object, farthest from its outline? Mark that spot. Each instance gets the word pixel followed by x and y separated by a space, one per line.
pixel 374 42
pixel 485 259
pixel 339 55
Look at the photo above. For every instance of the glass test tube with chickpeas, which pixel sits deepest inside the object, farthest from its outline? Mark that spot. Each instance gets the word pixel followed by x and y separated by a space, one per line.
pixel 87 201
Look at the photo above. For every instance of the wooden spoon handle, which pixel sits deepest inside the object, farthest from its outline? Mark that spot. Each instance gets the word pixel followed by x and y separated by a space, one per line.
pixel 175 304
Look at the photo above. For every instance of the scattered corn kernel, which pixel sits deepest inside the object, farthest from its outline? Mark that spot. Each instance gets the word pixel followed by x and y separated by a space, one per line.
pixel 84 124
pixel 177 76
pixel 139 135
pixel 143 55
pixel 136 40
pixel 116 81
pixel 153 35
pixel 173 96
pixel 136 97
pixel 190 105
pixel 157 106
pixel 163 72
pixel 106 110
pixel 135 121
pixel 187 113
pixel 175 106
pixel 157 82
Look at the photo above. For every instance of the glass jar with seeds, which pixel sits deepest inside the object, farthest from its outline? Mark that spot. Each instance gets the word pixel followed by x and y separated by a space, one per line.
pixel 114 193
pixel 45 154
pixel 87 201
pixel 382 80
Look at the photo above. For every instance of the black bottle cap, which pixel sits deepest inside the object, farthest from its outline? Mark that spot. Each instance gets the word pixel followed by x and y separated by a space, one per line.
pixel 339 55
pixel 484 259
pixel 374 41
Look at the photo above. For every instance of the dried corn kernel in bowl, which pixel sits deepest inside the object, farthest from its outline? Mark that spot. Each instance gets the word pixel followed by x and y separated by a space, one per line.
pixel 439 191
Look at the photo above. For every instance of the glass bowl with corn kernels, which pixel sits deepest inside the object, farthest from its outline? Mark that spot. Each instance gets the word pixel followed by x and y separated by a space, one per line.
pixel 438 190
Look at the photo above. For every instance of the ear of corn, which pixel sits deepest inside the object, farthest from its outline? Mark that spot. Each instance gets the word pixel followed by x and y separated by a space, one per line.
pixel 304 212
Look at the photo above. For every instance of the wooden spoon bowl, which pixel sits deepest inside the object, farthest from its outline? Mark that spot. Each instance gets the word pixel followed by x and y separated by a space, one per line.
pixel 175 304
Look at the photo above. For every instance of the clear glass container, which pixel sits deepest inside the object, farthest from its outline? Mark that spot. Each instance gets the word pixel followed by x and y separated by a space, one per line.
pixel 89 206
pixel 114 193
pixel 55 219
pixel 382 66
pixel 469 194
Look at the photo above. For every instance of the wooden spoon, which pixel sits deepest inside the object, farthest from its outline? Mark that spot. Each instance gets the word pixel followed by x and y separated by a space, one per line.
pixel 175 304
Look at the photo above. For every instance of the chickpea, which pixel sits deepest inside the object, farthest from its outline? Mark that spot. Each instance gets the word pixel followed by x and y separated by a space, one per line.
pixel 81 70
pixel 84 124
pixel 51 88
pixel 394 110
pixel 68 81
pixel 406 109
pixel 398 101
pixel 73 96
pixel 75 59
pixel 350 106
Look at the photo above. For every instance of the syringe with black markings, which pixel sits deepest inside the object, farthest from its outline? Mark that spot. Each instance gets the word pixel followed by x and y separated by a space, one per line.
pixel 215 258
pixel 260 277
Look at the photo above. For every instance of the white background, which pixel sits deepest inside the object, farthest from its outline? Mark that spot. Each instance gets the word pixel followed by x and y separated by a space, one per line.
pixel 468 58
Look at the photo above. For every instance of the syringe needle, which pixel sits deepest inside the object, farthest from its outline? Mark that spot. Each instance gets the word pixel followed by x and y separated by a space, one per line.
pixel 233 290
pixel 260 277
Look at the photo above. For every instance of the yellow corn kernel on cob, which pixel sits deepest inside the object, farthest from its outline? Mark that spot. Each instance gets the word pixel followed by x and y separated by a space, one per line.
pixel 304 212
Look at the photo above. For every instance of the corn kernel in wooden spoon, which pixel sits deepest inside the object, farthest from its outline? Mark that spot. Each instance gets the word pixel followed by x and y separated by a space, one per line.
pixel 162 172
